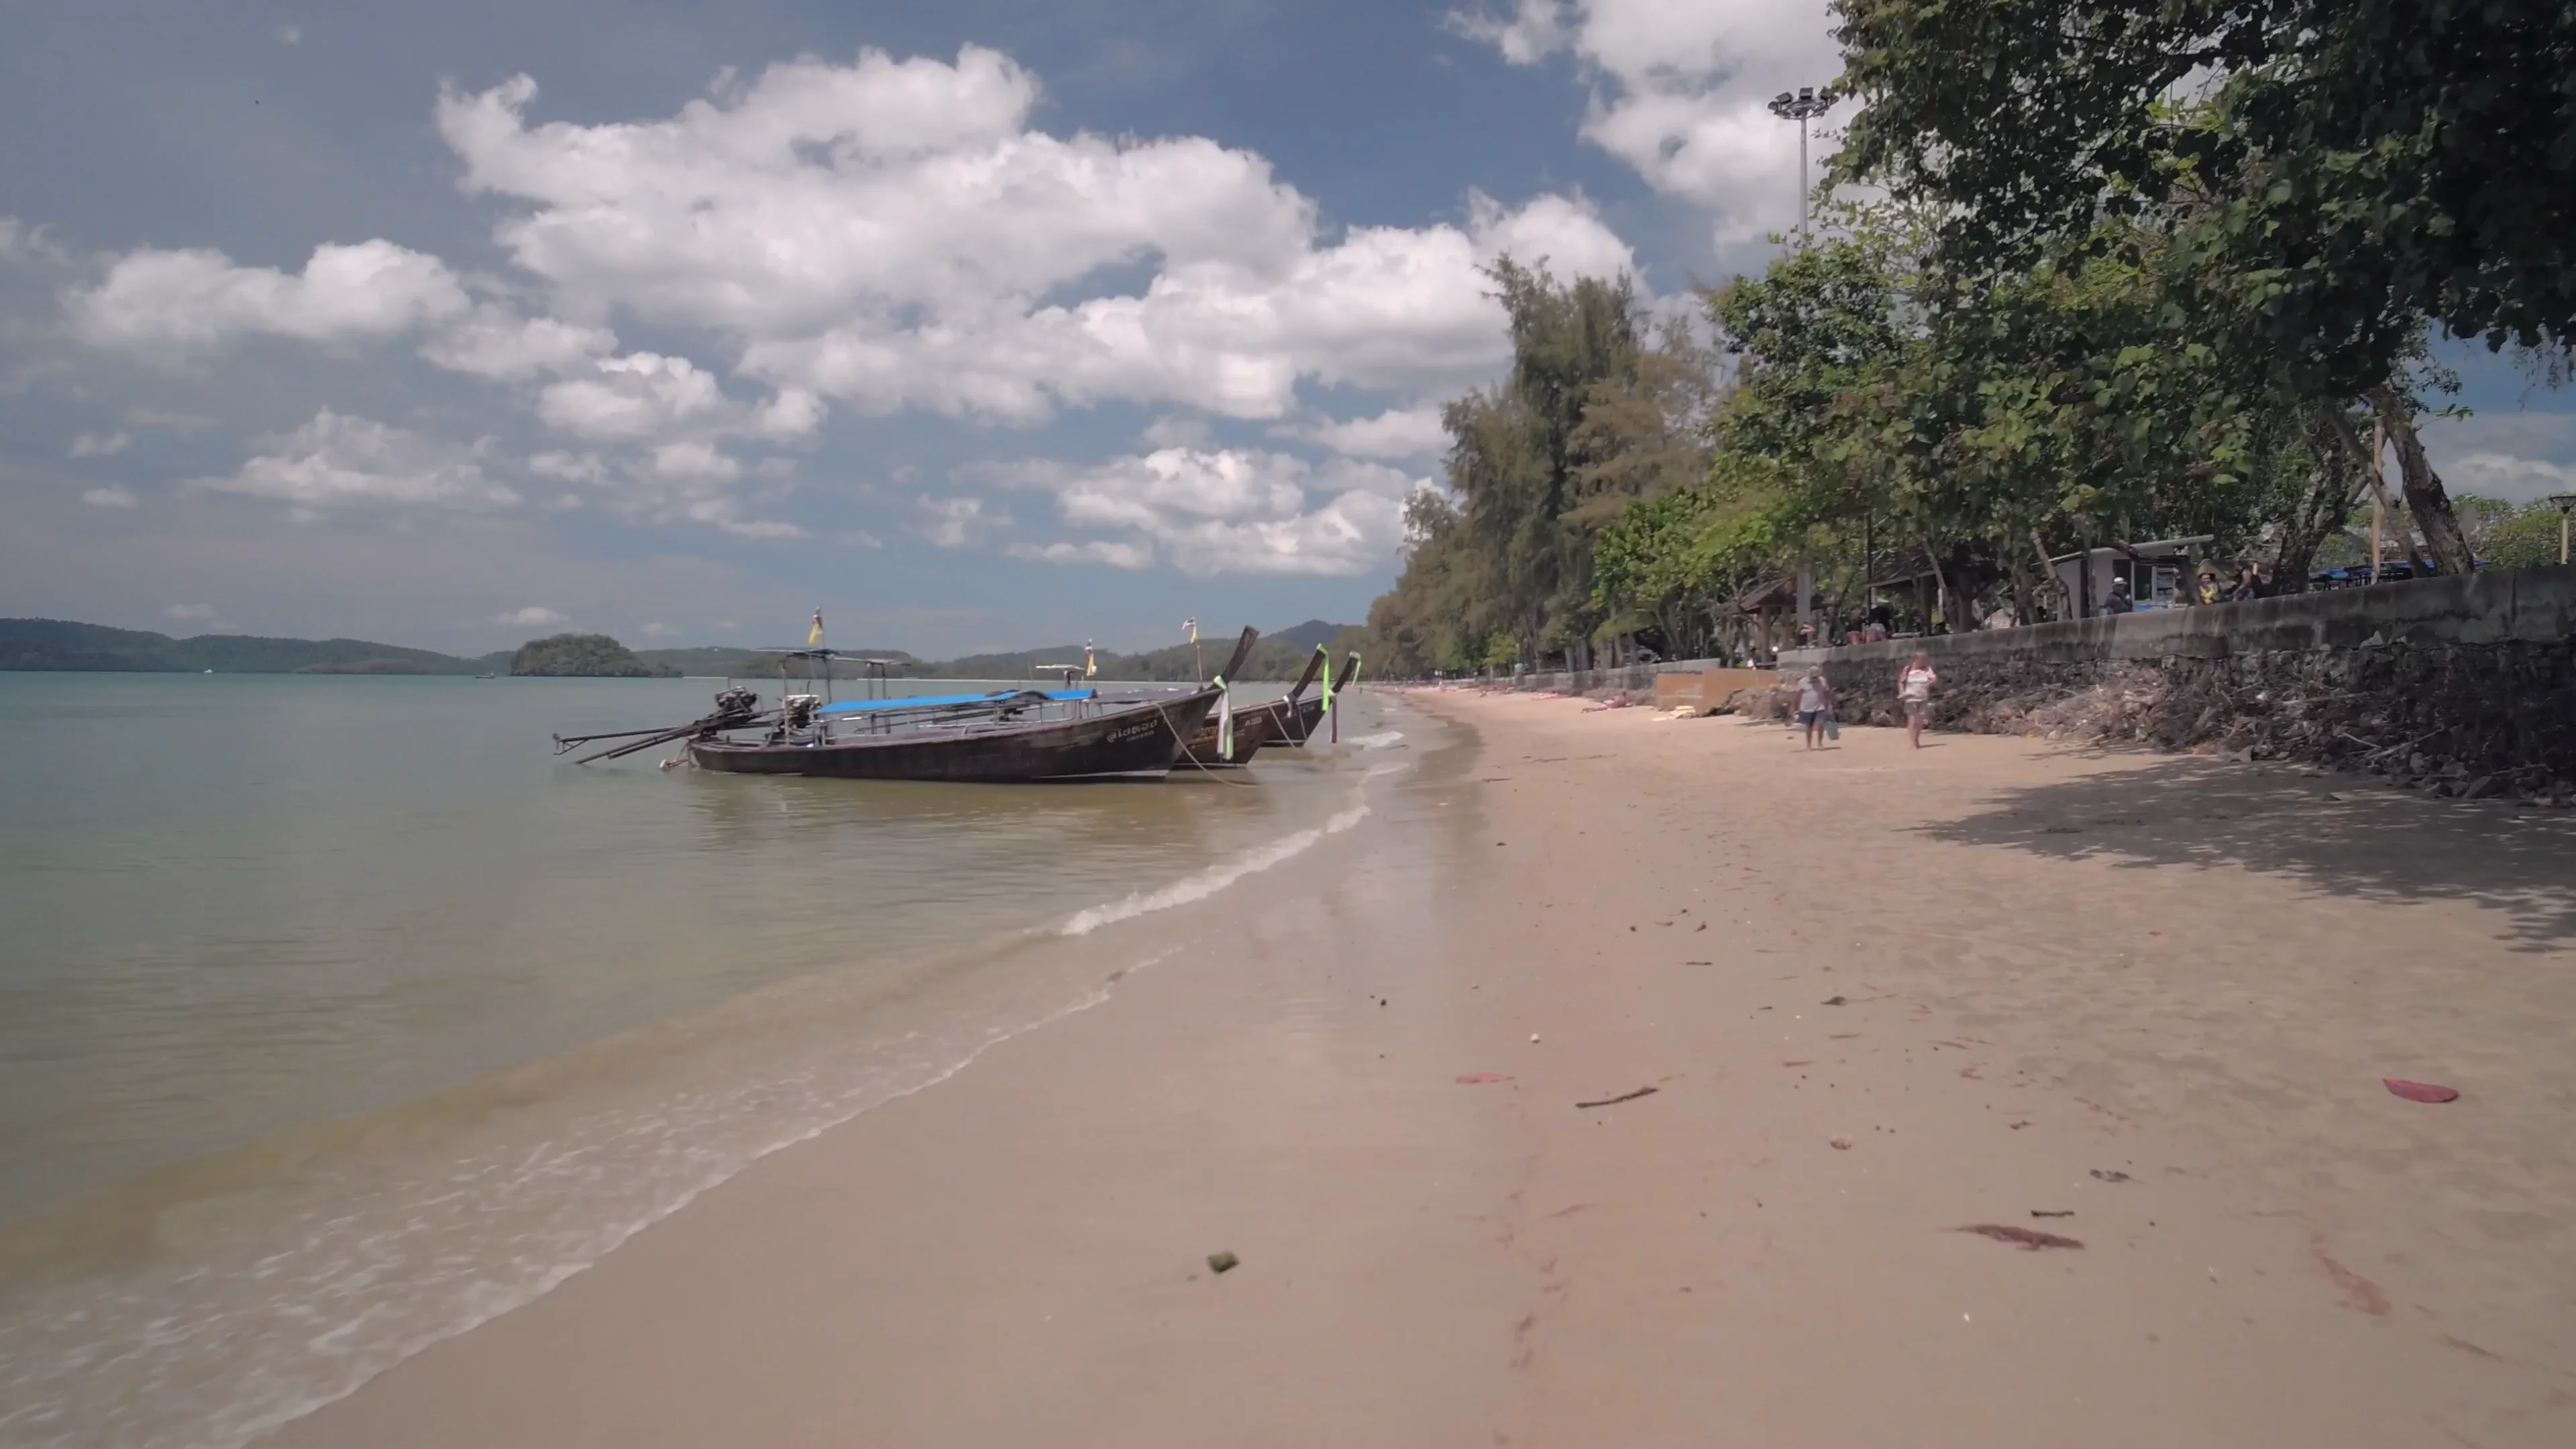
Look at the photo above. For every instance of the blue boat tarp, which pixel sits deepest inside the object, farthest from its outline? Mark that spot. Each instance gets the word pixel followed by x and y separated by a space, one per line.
pixel 934 701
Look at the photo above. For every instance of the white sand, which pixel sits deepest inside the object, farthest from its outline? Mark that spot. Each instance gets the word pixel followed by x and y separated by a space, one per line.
pixel 2052 962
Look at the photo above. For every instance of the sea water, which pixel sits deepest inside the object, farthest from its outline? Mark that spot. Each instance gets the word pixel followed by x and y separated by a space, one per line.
pixel 338 1014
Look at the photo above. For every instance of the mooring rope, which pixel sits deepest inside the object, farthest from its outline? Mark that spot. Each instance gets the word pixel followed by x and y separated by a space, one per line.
pixel 1186 752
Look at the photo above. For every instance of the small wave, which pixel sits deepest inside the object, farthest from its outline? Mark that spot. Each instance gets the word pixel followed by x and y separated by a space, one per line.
pixel 1201 884
pixel 214 1353
pixel 1380 740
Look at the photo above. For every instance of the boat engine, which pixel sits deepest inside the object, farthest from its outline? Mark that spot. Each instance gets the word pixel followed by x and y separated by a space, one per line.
pixel 737 701
pixel 800 710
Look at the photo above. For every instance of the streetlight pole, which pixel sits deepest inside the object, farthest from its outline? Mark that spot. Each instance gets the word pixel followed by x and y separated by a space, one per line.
pixel 2565 503
pixel 1802 107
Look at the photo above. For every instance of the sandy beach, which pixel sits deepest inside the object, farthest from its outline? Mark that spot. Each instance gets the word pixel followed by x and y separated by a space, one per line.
pixel 2140 1004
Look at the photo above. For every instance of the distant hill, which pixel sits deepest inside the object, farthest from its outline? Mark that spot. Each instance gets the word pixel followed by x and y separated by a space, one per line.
pixel 1276 656
pixel 1310 634
pixel 585 656
pixel 62 644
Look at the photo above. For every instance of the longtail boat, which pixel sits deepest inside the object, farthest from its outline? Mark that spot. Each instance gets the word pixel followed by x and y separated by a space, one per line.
pixel 1293 718
pixel 1208 746
pixel 1011 735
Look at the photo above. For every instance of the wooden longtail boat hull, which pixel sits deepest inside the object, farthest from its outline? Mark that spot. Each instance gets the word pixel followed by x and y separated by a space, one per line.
pixel 1252 729
pixel 1134 740
pixel 1293 721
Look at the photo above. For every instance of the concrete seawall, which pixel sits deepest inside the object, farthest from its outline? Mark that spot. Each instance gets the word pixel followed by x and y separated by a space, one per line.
pixel 2466 685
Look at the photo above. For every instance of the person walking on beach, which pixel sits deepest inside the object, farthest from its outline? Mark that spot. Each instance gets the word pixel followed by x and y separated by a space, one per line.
pixel 1914 687
pixel 1815 706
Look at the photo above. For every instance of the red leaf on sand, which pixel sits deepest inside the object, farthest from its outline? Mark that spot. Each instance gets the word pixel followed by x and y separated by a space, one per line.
pixel 1478 1079
pixel 2421 1091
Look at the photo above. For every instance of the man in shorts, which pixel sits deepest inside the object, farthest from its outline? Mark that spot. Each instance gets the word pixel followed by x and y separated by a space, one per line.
pixel 1914 688
pixel 1815 706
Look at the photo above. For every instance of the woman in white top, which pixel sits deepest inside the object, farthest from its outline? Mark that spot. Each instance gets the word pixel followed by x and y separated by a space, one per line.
pixel 1914 686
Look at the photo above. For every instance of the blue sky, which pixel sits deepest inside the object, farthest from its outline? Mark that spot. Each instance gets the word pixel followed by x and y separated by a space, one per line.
pixel 980 325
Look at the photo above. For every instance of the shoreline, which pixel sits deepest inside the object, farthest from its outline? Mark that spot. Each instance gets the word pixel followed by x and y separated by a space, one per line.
pixel 212 1298
pixel 1937 992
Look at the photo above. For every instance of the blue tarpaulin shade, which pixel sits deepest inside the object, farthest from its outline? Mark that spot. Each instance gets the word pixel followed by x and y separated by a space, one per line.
pixel 932 701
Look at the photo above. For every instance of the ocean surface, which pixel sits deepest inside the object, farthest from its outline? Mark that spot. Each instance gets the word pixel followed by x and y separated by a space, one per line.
pixel 337 1014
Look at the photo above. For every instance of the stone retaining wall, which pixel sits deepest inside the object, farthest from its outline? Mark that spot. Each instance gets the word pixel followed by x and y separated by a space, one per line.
pixel 2465 685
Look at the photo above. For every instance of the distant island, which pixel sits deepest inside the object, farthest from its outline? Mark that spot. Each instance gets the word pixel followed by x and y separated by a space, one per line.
pixel 60 644
pixel 585 656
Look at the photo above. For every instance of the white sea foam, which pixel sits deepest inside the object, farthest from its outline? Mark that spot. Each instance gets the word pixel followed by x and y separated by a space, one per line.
pixel 248 1335
pixel 1380 740
pixel 1201 884
pixel 262 1308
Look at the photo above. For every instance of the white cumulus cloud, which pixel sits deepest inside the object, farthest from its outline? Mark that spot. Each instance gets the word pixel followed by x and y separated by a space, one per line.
pixel 168 305
pixel 114 495
pixel 894 233
pixel 956 522
pixel 1413 432
pixel 495 342
pixel 95 445
pixel 1680 90
pixel 640 396
pixel 2507 477
pixel 337 460
pixel 535 616
pixel 1225 511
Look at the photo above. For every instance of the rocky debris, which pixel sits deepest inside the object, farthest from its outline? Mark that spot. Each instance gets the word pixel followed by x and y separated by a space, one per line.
pixel 1760 701
pixel 2463 721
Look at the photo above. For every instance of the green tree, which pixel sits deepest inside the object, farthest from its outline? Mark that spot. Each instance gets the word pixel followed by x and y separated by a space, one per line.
pixel 1597 408
pixel 2528 538
pixel 2353 172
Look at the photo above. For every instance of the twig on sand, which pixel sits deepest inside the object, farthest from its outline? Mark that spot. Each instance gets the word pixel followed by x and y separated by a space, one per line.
pixel 2029 1240
pixel 1622 1097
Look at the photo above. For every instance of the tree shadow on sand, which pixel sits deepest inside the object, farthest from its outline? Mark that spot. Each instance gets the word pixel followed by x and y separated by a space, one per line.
pixel 2375 843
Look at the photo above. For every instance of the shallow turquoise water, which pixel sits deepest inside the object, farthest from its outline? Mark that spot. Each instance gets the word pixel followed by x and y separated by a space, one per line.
pixel 357 964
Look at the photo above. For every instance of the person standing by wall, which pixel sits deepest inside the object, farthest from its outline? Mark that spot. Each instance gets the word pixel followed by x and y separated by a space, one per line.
pixel 1815 705
pixel 1914 690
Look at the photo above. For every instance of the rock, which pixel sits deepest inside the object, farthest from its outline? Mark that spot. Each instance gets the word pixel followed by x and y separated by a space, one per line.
pixel 2479 788
pixel 1223 1262
pixel 1842 1144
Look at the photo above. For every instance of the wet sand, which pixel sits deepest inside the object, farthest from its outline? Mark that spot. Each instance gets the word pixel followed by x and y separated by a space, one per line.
pixel 2155 995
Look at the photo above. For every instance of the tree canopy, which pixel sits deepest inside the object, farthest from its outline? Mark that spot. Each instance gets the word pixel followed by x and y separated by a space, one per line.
pixel 2134 271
